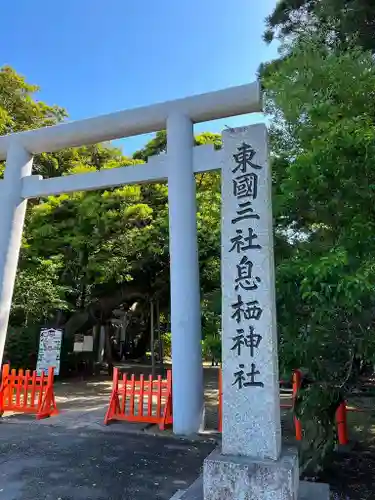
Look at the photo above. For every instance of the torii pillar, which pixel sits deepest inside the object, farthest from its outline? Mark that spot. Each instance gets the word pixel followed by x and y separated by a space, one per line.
pixel 187 370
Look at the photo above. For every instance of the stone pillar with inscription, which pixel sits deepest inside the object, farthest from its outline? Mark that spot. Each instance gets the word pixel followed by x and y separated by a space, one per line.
pixel 252 464
pixel 251 407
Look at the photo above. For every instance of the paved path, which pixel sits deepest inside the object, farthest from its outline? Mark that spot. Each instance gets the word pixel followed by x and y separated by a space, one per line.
pixel 55 462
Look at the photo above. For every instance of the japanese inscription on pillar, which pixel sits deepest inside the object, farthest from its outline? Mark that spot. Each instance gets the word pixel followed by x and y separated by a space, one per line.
pixel 251 414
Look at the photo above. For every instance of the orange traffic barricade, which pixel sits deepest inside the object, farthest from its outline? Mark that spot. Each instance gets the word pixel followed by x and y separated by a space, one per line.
pixel 341 423
pixel 296 384
pixel 26 392
pixel 342 430
pixel 220 409
pixel 144 400
pixel 297 379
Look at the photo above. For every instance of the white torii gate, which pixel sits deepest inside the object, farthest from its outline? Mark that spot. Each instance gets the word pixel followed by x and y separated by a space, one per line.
pixel 177 168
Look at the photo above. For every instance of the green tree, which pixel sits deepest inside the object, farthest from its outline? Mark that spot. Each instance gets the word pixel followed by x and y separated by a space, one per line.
pixel 18 108
pixel 66 161
pixel 342 19
pixel 208 222
pixel 323 138
pixel 110 244
pixel 84 254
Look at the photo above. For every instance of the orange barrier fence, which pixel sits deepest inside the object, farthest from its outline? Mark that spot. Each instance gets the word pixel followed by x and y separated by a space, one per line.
pixel 340 417
pixel 24 392
pixel 220 407
pixel 297 378
pixel 342 429
pixel 144 400
pixel 341 422
pixel 220 410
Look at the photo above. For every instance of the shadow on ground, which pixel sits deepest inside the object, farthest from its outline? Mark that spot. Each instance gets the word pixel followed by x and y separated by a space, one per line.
pixel 54 463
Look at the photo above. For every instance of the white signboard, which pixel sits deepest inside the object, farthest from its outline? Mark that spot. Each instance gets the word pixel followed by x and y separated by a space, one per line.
pixel 88 343
pixel 49 350
pixel 83 343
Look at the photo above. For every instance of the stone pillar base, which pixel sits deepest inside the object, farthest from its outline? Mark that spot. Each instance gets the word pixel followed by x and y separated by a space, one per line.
pixel 228 477
pixel 307 491
pixel 241 478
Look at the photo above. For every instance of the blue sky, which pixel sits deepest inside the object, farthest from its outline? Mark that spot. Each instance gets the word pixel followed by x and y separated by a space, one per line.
pixel 94 56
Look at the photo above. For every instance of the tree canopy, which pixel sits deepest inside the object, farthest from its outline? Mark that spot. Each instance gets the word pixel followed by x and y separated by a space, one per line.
pixel 86 253
pixel 320 97
pixel 342 19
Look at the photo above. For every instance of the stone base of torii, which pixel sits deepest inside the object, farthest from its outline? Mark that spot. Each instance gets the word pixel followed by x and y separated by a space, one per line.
pixel 227 477
pixel 252 463
pixel 307 491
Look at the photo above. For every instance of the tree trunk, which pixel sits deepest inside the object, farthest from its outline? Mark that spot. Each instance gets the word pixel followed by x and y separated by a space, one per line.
pixel 160 342
pixel 108 350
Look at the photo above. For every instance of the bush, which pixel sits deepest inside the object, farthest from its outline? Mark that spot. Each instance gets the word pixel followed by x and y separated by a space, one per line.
pixel 212 347
pixel 21 347
pixel 167 344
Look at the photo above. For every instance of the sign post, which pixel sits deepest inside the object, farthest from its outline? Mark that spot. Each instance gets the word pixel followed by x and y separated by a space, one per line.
pixel 49 350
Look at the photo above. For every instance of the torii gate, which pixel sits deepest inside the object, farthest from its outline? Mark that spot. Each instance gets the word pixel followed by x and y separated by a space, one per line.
pixel 177 168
